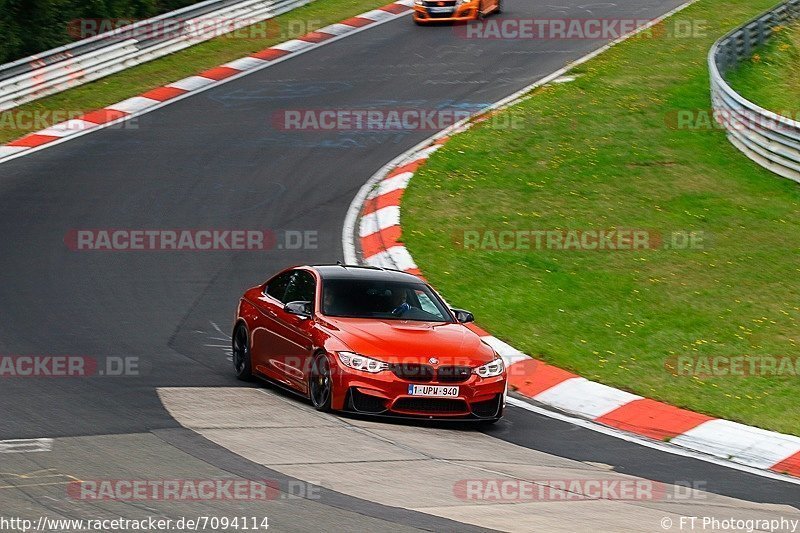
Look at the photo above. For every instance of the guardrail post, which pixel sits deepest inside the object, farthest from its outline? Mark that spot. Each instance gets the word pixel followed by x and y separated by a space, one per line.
pixel 747 46
pixel 721 57
pixel 724 56
pixel 732 55
pixel 762 32
pixel 793 9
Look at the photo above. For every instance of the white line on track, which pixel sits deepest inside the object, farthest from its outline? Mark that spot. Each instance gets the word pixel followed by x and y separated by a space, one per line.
pixel 26 445
pixel 216 327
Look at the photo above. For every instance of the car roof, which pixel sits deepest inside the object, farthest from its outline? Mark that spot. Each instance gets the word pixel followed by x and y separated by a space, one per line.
pixel 363 273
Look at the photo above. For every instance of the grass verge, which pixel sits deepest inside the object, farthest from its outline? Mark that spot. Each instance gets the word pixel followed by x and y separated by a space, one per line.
pixel 601 152
pixel 771 78
pixel 42 113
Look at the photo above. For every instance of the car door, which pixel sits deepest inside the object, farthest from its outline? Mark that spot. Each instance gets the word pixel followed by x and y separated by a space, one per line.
pixel 293 333
pixel 263 348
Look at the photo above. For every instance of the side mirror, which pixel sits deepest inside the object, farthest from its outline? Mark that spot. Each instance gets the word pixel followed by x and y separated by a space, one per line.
pixel 302 309
pixel 463 316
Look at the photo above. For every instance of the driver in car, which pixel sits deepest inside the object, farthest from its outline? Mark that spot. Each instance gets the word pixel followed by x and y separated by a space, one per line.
pixel 399 304
pixel 329 302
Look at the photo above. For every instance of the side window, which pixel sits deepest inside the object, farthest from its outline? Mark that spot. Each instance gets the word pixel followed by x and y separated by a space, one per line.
pixel 301 288
pixel 277 287
pixel 426 304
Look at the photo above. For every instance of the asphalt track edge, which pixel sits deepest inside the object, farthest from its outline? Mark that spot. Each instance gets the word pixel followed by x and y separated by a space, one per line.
pixel 201 448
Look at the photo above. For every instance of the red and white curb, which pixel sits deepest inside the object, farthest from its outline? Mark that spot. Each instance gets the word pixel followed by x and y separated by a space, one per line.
pixel 373 226
pixel 379 235
pixel 161 96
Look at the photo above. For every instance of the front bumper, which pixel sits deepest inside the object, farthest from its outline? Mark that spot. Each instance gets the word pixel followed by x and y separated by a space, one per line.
pixel 429 14
pixel 387 394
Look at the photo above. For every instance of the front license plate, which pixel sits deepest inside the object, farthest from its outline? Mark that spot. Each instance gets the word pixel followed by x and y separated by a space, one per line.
pixel 441 9
pixel 432 390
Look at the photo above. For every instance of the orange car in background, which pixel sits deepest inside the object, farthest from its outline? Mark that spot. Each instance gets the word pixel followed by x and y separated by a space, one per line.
pixel 427 11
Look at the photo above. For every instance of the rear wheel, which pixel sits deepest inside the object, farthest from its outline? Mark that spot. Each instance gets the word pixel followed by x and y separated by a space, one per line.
pixel 240 347
pixel 320 384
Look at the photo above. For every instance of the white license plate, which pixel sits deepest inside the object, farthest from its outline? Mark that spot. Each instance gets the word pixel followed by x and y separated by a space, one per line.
pixel 441 9
pixel 432 390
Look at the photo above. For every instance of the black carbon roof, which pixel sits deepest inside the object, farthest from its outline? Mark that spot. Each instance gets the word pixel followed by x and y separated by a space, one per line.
pixel 363 272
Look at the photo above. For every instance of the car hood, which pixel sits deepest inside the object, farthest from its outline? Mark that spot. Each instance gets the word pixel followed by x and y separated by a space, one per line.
pixel 406 341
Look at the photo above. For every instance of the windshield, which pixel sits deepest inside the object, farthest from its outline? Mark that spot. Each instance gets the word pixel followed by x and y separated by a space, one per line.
pixel 382 299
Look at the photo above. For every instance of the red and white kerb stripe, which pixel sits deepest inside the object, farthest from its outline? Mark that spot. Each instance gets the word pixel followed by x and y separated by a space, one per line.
pixel 381 245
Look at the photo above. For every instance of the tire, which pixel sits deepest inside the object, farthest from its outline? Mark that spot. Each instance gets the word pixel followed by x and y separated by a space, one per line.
pixel 320 383
pixel 240 349
pixel 499 9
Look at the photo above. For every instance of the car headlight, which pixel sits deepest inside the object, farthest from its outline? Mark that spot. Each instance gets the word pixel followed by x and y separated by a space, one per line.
pixel 363 363
pixel 490 370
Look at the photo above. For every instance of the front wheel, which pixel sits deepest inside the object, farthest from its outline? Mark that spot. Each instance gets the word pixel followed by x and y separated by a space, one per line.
pixel 320 383
pixel 240 347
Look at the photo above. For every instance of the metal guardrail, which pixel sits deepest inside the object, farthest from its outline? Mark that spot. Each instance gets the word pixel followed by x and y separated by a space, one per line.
pixel 769 139
pixel 86 60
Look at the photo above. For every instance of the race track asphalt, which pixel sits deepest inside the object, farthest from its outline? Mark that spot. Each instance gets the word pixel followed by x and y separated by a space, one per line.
pixel 217 161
